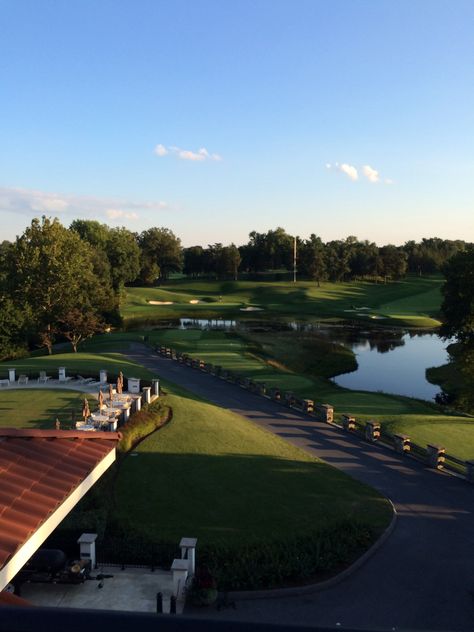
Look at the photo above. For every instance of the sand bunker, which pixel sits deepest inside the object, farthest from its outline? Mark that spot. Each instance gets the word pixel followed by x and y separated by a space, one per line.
pixel 251 309
pixel 160 302
pixel 194 301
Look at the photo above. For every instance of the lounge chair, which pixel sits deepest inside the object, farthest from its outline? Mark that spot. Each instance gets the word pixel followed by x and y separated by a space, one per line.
pixel 22 380
pixel 84 380
pixel 43 378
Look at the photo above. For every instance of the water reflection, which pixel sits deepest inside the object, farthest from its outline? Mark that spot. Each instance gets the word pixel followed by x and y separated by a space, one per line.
pixel 402 371
pixel 389 360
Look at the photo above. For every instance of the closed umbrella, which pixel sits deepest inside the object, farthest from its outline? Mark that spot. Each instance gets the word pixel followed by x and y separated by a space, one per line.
pixel 111 392
pixel 101 399
pixel 120 383
pixel 85 409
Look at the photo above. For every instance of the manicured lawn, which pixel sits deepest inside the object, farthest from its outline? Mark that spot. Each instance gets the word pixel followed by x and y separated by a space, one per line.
pixel 214 475
pixel 414 300
pixel 82 363
pixel 39 408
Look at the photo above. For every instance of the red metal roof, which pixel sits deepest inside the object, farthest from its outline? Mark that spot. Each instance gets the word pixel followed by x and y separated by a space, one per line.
pixel 39 469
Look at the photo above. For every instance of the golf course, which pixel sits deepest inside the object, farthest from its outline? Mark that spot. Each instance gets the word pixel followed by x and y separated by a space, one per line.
pixel 412 302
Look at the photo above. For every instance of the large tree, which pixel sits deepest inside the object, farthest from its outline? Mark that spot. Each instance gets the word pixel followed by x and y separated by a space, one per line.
pixel 458 297
pixel 161 254
pixel 312 260
pixel 50 272
pixel 124 257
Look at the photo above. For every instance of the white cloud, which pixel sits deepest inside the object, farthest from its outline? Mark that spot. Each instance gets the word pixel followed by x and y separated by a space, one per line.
pixel 350 171
pixel 200 155
pixel 33 202
pixel 371 174
pixel 160 150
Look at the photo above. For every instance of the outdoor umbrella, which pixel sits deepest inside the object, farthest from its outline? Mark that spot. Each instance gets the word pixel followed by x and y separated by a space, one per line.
pixel 101 399
pixel 111 392
pixel 85 409
pixel 120 383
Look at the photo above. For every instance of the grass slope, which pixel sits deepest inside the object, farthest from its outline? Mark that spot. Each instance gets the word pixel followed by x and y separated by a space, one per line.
pixel 414 300
pixel 213 474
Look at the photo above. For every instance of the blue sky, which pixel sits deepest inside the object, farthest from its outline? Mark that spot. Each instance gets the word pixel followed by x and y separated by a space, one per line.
pixel 215 118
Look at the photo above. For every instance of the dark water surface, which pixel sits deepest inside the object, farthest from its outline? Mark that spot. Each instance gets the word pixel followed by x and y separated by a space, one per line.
pixel 390 361
pixel 396 366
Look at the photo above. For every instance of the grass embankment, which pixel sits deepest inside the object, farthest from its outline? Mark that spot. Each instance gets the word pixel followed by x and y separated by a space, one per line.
pixel 413 301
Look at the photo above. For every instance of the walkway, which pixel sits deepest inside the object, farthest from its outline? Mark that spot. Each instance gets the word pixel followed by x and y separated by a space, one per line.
pixel 421 578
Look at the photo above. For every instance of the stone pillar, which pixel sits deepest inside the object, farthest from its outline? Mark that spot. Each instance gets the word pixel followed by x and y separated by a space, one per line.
pixel 348 421
pixel 179 569
pixel 103 376
pixel 155 387
pixel 137 404
pixel 436 456
pixel 188 552
pixel 62 373
pixel 87 547
pixel 401 443
pixel 289 398
pixel 325 412
pixel 372 431
pixel 125 413
pixel 308 406
pixel 146 390
pixel 133 385
pixel 470 471
pixel 11 375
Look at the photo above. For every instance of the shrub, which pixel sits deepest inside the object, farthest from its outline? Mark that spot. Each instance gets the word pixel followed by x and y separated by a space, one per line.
pixel 253 565
pixel 143 423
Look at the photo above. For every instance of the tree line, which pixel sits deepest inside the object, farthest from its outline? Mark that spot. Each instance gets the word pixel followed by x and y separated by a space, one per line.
pixel 59 283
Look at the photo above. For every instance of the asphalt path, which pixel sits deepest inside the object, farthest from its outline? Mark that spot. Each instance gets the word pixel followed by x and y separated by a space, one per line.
pixel 421 578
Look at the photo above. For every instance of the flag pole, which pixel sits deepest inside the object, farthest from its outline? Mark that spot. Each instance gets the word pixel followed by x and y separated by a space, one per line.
pixel 294 261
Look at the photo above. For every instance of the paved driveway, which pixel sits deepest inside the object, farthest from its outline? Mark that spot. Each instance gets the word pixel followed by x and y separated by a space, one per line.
pixel 421 578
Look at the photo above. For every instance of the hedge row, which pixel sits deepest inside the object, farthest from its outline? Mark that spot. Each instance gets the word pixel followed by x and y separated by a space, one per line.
pixel 143 423
pixel 259 564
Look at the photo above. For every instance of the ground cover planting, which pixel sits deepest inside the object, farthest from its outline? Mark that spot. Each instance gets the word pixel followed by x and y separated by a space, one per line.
pixel 414 301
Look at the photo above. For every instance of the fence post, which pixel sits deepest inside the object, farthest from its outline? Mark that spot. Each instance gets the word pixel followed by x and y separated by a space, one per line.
pixel 436 456
pixel 401 443
pixel 372 431
pixel 348 422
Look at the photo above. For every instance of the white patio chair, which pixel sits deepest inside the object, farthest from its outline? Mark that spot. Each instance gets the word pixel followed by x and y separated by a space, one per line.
pixel 43 378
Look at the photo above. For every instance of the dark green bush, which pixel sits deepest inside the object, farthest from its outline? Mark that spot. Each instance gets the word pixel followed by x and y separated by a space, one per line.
pixel 253 565
pixel 143 423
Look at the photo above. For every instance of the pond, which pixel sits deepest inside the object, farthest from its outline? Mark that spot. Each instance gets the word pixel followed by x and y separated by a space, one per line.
pixel 395 363
pixel 391 361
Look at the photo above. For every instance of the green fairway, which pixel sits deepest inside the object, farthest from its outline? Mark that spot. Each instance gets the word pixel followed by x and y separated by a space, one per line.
pixel 39 408
pixel 413 301
pixel 203 472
